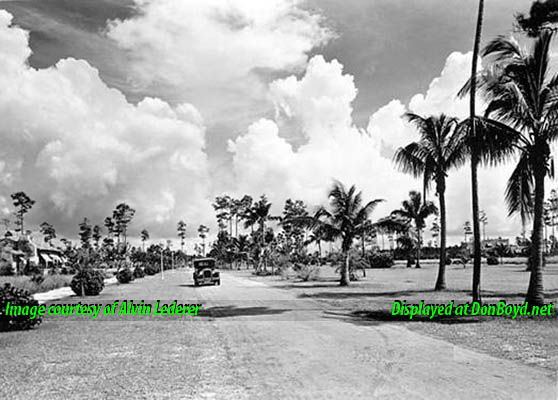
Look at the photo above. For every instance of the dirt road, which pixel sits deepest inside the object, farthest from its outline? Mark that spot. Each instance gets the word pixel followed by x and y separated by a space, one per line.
pixel 251 341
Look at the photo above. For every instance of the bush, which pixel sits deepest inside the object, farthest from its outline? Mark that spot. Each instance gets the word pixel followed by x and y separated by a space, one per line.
pixel 380 261
pixel 491 260
pixel 151 269
pixel 306 272
pixel 93 282
pixel 6 268
pixel 16 297
pixel 124 275
pixel 139 272
pixel 449 261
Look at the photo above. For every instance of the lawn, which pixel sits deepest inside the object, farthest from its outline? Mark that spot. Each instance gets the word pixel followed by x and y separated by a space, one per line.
pixel 49 283
pixel 531 340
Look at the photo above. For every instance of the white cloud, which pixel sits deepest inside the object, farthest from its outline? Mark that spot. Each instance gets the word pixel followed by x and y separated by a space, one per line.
pixel 319 106
pixel 68 138
pixel 215 51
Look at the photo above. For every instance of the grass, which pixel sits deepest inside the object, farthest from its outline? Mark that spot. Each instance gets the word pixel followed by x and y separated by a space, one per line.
pixel 50 282
pixel 531 340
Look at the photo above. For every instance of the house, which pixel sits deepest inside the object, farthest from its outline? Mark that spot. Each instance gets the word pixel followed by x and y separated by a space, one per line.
pixel 23 251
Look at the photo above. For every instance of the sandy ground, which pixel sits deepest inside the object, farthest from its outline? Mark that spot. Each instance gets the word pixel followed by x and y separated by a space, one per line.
pixel 252 340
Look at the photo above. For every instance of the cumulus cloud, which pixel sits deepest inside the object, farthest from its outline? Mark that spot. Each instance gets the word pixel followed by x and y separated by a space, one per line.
pixel 72 142
pixel 214 51
pixel 319 105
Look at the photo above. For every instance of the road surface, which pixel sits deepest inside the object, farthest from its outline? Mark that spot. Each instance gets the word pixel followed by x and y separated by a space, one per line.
pixel 251 341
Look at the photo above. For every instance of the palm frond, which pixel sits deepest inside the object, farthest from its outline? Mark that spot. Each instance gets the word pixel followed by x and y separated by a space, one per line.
pixel 519 189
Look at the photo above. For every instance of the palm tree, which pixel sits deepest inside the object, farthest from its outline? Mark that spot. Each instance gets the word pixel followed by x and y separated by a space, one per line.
pixel 438 150
pixel 241 245
pixel 259 214
pixel 474 149
pixel 521 94
pixel 344 220
pixel 417 211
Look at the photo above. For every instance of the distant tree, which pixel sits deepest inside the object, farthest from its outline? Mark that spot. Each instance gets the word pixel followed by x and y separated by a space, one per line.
pixel 48 232
pixel 245 208
pixel 23 204
pixel 144 237
pixel 202 233
pixel 122 216
pixel 294 235
pixel 222 207
pixel 417 212
pixel 85 232
pixel 109 224
pixel 96 236
pixel 241 246
pixel 181 228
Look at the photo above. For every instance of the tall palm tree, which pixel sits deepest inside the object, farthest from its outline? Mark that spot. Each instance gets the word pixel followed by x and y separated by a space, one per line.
pixel 343 220
pixel 522 94
pixel 438 150
pixel 417 211
pixel 475 159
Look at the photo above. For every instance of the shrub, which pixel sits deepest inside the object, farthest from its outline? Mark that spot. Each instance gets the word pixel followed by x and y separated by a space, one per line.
pixel 306 272
pixel 380 261
pixel 491 260
pixel 124 275
pixel 92 281
pixel 6 268
pixel 16 297
pixel 449 261
pixel 151 269
pixel 139 272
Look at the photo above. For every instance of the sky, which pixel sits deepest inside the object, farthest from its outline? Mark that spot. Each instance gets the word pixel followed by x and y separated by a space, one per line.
pixel 165 104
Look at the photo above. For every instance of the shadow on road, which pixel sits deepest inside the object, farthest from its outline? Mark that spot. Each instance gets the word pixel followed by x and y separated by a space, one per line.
pixel 232 311
pixel 488 296
pixel 349 294
pixel 376 317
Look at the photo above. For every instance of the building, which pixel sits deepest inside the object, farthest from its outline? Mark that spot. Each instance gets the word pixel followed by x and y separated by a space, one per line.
pixel 22 252
pixel 487 244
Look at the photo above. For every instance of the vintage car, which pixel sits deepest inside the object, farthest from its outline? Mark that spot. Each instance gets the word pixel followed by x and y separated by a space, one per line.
pixel 205 272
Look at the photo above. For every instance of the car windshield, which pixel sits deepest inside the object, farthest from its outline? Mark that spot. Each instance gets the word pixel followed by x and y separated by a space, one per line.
pixel 200 264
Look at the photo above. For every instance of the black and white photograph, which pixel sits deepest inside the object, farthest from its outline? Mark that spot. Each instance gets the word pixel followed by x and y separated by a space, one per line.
pixel 279 199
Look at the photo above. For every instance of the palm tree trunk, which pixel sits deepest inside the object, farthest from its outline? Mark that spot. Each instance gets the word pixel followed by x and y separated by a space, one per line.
pixel 441 281
pixel 475 161
pixel 419 244
pixel 535 294
pixel 345 270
